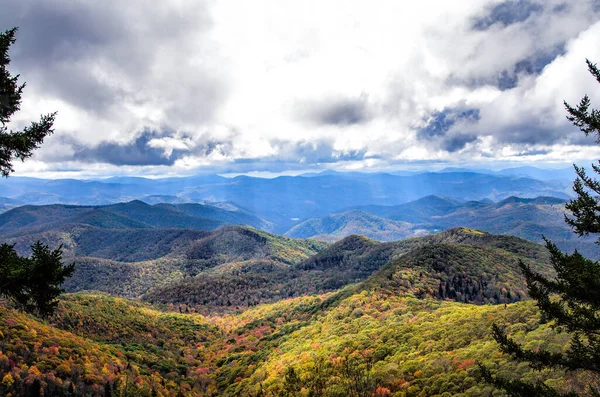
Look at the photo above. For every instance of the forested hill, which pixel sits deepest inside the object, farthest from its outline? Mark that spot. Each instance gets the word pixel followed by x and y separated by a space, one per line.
pixel 404 331
pixel 129 262
pixel 231 311
pixel 486 264
pixel 131 215
pixel 337 226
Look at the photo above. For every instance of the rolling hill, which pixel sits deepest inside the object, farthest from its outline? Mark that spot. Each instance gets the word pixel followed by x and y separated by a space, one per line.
pixel 134 214
pixel 376 333
pixel 335 227
pixel 417 211
pixel 132 261
pixel 466 253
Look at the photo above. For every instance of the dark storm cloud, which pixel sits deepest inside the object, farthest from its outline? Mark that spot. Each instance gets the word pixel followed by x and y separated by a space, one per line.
pixel 338 111
pixel 507 13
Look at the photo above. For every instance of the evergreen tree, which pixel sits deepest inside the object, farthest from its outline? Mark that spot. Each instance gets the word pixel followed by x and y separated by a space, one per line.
pixel 33 283
pixel 16 144
pixel 571 301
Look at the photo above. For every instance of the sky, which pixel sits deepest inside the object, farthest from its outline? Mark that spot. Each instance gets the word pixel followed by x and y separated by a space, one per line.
pixel 179 87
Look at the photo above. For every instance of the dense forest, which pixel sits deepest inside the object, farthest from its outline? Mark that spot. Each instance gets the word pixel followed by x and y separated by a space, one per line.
pixel 259 314
pixel 327 344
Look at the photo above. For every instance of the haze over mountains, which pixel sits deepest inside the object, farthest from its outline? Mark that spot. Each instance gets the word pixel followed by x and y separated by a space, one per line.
pixel 282 201
pixel 327 206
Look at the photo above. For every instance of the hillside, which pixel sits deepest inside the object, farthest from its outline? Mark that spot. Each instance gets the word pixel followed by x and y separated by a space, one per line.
pixel 130 262
pixel 528 218
pixel 98 345
pixel 335 227
pixel 135 214
pixel 463 273
pixel 468 254
pixel 417 211
pixel 399 344
pixel 411 317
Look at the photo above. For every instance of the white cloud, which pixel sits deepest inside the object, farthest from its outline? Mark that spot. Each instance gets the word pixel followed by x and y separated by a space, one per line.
pixel 238 84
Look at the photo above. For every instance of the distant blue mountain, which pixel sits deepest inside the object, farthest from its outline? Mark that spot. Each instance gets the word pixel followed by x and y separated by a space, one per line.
pixel 544 174
pixel 285 200
pixel 528 218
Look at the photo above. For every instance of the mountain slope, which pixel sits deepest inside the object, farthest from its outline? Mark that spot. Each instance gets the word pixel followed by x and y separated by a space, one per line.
pixel 417 211
pixel 400 343
pixel 337 226
pixel 130 262
pixel 459 272
pixel 134 214
pixel 467 252
pixel 528 218
pixel 98 346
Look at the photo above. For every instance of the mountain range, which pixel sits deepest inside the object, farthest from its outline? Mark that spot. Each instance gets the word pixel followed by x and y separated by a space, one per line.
pixel 282 200
pixel 528 218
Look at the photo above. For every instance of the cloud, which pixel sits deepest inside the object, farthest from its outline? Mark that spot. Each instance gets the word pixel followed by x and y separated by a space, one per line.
pixel 336 112
pixel 439 124
pixel 138 153
pixel 127 65
pixel 533 112
pixel 178 87
pixel 314 152
pixel 150 148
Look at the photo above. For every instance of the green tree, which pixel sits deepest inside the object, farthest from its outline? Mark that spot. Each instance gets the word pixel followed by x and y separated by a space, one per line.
pixel 571 301
pixel 33 283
